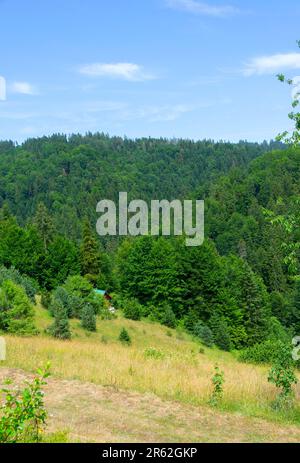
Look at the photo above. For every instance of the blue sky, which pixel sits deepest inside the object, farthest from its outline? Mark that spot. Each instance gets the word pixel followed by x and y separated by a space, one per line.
pixel 170 68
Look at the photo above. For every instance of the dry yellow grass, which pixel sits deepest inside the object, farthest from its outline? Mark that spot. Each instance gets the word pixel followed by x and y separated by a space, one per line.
pixel 183 374
pixel 93 413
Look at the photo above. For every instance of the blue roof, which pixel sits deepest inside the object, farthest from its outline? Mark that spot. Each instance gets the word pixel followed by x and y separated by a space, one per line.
pixel 100 291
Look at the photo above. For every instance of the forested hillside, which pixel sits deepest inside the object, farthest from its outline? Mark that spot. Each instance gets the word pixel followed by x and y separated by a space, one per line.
pixel 235 291
pixel 70 175
pixel 235 212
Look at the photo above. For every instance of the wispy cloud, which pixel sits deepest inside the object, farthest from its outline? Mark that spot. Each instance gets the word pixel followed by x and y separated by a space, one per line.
pixel 126 71
pixel 202 8
pixel 24 88
pixel 164 113
pixel 126 112
pixel 272 63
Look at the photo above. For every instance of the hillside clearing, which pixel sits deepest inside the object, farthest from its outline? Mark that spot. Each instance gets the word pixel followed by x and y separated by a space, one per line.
pixel 181 375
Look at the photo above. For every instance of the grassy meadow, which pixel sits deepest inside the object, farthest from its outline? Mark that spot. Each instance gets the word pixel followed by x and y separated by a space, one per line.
pixel 181 370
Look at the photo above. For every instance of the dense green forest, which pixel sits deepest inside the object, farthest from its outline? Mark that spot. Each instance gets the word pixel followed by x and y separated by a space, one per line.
pixel 71 174
pixel 236 290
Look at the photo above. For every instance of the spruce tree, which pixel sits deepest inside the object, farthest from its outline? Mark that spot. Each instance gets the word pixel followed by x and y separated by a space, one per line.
pixel 60 328
pixel 89 254
pixel 124 337
pixel 168 317
pixel 191 319
pixel 256 304
pixel 204 333
pixel 44 224
pixel 220 332
pixel 88 318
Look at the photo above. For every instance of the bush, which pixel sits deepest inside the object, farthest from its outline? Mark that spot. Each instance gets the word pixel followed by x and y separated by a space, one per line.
pixel 217 382
pixel 78 285
pixel 74 295
pixel 220 332
pixel 276 332
pixel 124 337
pixel 168 317
pixel 60 328
pixel 12 274
pixel 16 311
pixel 204 333
pixel 98 302
pixel 46 299
pixel 132 309
pixel 265 352
pixel 88 318
pixel 152 352
pixel 23 413
pixel 62 298
pixel 283 376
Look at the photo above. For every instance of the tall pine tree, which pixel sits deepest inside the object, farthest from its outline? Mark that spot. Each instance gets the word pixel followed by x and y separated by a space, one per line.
pixel 89 254
pixel 44 224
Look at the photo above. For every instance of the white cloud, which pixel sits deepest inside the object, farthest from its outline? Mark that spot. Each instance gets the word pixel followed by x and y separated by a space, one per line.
pixel 127 71
pixel 22 87
pixel 104 106
pixel 158 113
pixel 165 113
pixel 202 8
pixel 271 64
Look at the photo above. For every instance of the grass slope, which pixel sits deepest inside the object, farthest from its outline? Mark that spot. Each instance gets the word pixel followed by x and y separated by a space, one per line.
pixel 179 381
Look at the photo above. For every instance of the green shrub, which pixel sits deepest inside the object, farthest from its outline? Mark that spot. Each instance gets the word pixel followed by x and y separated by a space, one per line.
pixel 78 286
pixel 88 318
pixel 217 382
pixel 46 299
pixel 23 414
pixel 124 337
pixel 265 352
pixel 152 352
pixel 74 295
pixel 168 317
pixel 98 302
pixel 283 376
pixel 132 309
pixel 12 274
pixel 221 333
pixel 60 328
pixel 16 311
pixel 204 333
